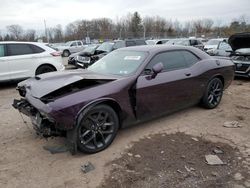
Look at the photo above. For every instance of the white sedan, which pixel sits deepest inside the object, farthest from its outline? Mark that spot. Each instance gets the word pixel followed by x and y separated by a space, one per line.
pixel 20 60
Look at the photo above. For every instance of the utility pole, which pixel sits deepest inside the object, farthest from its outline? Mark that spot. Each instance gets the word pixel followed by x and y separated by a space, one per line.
pixel 46 32
pixel 144 30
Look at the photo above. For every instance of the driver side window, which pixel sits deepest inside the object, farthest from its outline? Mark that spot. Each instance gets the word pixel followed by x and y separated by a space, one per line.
pixel 73 44
pixel 171 61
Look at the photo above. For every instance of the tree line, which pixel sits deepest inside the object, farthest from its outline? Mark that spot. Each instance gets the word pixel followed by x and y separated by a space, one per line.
pixel 129 26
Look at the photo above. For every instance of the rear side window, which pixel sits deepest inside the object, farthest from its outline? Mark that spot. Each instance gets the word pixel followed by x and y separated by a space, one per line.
pixel 140 42
pixel 171 61
pixel 2 50
pixel 36 49
pixel 119 44
pixel 79 43
pixel 23 49
pixel 19 49
pixel 190 58
pixel 130 43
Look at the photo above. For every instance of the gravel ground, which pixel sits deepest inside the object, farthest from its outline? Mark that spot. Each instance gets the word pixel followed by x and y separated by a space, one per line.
pixel 24 162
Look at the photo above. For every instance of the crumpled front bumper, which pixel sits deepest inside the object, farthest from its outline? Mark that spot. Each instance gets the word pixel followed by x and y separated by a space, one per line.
pixel 24 107
pixel 42 125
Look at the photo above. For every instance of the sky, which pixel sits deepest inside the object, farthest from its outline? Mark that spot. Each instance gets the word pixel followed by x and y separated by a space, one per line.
pixel 30 14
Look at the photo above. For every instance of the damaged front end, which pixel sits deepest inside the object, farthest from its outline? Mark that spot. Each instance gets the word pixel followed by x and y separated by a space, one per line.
pixel 42 124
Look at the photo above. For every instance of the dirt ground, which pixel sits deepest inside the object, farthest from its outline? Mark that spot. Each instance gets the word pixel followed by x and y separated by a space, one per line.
pixel 24 162
pixel 176 160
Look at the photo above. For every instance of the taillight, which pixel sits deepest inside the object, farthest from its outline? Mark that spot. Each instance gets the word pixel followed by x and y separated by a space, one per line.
pixel 55 54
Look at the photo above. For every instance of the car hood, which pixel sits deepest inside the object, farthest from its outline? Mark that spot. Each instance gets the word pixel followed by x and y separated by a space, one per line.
pixel 210 46
pixel 44 84
pixel 75 54
pixel 239 40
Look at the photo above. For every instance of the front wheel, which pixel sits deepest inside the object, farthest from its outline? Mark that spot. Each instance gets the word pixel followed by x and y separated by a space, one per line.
pixel 213 94
pixel 97 129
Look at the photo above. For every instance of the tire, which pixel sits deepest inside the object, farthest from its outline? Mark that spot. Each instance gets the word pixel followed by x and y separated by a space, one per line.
pixel 66 53
pixel 213 94
pixel 97 129
pixel 44 69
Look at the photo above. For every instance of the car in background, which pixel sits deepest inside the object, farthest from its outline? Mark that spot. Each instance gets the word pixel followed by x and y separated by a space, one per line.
pixel 223 49
pixel 70 47
pixel 213 43
pixel 20 60
pixel 104 49
pixel 128 86
pixel 186 42
pixel 240 43
pixel 156 41
pixel 83 55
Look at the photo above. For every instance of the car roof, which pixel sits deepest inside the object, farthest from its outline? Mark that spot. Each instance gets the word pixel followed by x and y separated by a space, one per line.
pixel 21 42
pixel 154 48
pixel 161 48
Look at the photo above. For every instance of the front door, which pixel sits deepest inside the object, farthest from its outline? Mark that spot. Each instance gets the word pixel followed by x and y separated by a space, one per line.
pixel 169 91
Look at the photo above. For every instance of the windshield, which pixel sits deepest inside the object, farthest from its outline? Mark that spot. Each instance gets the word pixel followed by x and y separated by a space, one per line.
pixel 150 42
pixel 213 42
pixel 90 49
pixel 67 43
pixel 178 42
pixel 106 47
pixel 119 63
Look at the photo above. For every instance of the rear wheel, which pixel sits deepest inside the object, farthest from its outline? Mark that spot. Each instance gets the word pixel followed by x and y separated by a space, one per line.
pixel 97 129
pixel 213 94
pixel 44 69
pixel 66 53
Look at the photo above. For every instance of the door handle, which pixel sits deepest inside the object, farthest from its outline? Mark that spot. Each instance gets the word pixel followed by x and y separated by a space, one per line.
pixel 188 74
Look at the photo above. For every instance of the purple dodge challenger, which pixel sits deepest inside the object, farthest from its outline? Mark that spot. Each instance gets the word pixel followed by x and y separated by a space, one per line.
pixel 127 86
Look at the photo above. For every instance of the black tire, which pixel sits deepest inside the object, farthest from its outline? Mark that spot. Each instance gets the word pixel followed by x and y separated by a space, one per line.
pixel 97 129
pixel 213 94
pixel 66 53
pixel 44 69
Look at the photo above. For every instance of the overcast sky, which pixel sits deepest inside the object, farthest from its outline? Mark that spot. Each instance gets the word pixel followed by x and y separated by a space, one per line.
pixel 31 13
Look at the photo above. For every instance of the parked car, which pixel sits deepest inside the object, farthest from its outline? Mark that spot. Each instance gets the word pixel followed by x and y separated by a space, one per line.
pixel 104 49
pixel 127 86
pixel 223 49
pixel 84 55
pixel 20 60
pixel 156 41
pixel 240 43
pixel 186 42
pixel 70 47
pixel 213 43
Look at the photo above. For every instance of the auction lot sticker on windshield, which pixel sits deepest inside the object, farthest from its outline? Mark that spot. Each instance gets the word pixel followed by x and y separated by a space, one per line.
pixel 132 58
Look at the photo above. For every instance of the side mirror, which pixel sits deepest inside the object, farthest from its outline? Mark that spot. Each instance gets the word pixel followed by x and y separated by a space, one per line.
pixel 157 68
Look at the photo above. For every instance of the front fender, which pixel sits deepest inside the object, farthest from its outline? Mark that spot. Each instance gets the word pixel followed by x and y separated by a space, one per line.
pixel 88 106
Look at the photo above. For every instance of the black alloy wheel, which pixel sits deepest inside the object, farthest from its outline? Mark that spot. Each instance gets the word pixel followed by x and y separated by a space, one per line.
pixel 213 94
pixel 97 129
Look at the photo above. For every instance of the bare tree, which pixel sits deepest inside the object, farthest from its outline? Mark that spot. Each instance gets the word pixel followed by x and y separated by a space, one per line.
pixel 58 33
pixel 16 31
pixel 207 25
pixel 30 35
